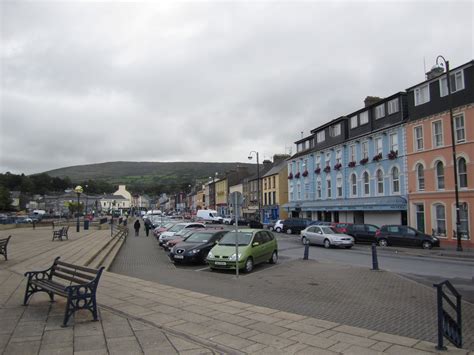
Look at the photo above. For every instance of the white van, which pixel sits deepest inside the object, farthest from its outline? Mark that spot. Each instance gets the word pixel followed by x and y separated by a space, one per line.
pixel 209 216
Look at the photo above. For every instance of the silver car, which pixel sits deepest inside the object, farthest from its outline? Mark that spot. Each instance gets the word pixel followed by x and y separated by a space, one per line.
pixel 324 235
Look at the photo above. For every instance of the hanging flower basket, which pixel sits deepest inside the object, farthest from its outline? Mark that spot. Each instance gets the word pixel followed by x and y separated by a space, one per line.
pixel 305 173
pixel 351 164
pixel 317 171
pixel 297 175
pixel 337 166
pixel 364 161
pixel 290 176
pixel 377 157
pixel 327 169
pixel 392 155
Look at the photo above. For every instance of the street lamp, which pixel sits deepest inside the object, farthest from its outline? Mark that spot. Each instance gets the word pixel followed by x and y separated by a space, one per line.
pixel 78 190
pixel 441 62
pixel 112 220
pixel 87 200
pixel 258 181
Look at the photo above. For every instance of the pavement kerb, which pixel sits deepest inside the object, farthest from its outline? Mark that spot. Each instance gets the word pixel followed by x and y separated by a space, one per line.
pixel 207 344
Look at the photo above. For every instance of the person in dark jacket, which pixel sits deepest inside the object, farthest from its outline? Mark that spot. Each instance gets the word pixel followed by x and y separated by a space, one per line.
pixel 147 228
pixel 136 226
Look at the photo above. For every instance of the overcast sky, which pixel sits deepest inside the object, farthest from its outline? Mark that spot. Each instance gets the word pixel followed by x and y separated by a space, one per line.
pixel 88 82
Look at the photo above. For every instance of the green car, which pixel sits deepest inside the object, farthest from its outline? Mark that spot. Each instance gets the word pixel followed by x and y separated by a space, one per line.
pixel 255 246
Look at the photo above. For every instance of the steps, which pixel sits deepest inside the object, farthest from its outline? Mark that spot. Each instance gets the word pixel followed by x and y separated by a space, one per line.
pixel 106 255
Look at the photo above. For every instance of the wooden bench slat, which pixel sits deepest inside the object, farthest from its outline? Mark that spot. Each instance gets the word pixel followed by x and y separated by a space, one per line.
pixel 78 267
pixel 56 288
pixel 74 273
pixel 76 280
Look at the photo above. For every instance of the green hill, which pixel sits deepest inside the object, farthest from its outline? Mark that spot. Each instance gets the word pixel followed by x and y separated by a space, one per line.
pixel 146 174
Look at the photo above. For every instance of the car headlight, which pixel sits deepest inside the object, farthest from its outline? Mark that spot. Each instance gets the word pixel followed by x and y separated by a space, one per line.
pixel 210 255
pixel 194 251
pixel 232 257
pixel 435 239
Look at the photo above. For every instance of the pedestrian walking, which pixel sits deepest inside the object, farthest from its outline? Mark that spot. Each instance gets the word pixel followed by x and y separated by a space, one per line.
pixel 136 226
pixel 147 228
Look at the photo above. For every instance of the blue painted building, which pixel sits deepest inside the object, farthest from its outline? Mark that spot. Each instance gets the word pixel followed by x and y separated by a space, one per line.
pixel 353 169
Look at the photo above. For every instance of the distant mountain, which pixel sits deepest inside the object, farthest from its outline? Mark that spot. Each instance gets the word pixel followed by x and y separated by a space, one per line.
pixel 145 173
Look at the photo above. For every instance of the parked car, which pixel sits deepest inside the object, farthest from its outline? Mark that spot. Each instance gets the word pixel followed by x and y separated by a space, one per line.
pixel 320 223
pixel 255 246
pixel 227 220
pixel 340 227
pixel 169 234
pixel 324 235
pixel 278 226
pixel 397 235
pixel 362 233
pixel 295 225
pixel 269 224
pixel 196 246
pixel 179 237
pixel 158 230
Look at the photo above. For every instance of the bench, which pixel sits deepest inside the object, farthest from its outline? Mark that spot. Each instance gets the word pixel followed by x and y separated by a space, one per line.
pixel 60 233
pixel 3 246
pixel 76 283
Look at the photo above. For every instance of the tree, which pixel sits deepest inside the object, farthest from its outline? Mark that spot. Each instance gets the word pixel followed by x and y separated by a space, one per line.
pixel 5 199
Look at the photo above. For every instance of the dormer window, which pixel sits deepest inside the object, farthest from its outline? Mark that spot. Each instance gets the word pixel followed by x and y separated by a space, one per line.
pixel 422 94
pixel 379 111
pixel 456 82
pixel 335 130
pixel 321 136
pixel 354 121
pixel 364 117
pixel 393 106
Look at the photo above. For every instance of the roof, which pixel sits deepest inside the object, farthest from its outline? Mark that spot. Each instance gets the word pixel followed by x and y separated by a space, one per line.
pixel 113 197
pixel 276 169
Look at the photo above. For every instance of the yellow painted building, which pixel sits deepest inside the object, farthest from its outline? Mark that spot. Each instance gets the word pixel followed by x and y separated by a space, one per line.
pixel 275 193
pixel 221 197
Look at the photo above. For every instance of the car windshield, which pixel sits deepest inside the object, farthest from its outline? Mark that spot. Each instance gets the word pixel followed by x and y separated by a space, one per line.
pixel 168 225
pixel 176 227
pixel 242 237
pixel 198 237
pixel 327 230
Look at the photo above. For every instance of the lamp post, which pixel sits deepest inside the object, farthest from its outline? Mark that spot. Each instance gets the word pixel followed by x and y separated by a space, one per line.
pixel 442 62
pixel 78 190
pixel 258 182
pixel 112 220
pixel 87 200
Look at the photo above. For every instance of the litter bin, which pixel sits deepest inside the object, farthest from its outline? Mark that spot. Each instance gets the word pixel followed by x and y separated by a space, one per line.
pixel 86 224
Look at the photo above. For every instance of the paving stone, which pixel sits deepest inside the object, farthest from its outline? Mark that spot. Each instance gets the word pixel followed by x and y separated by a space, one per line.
pixel 254 348
pixel 340 347
pixel 196 352
pixel 288 316
pixel 305 328
pixel 394 339
pixel 358 350
pixel 271 340
pixel 353 339
pixel 314 340
pixel 60 351
pixel 295 348
pixel 229 328
pixel 113 330
pixel 403 350
pixel 191 328
pixel 65 335
pixel 181 344
pixel 89 343
pixel 23 348
pixel 123 345
pixel 150 339
pixel 87 329
pixel 28 329
pixel 232 341
pixel 267 328
pixel 354 331
pixel 380 346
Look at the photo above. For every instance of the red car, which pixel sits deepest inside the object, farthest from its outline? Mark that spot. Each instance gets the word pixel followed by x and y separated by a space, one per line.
pixel 340 227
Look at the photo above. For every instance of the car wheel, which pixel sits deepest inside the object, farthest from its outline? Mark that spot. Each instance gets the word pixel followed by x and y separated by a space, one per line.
pixel 383 243
pixel 426 245
pixel 278 230
pixel 304 240
pixel 248 265
pixel 327 243
pixel 289 231
pixel 274 258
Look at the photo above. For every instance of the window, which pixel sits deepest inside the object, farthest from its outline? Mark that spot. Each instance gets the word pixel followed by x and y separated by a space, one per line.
pixel 420 217
pixel 394 142
pixel 393 106
pixel 274 197
pixel 335 130
pixel 440 175
pixel 273 181
pixel 328 159
pixel 456 82
pixel 418 133
pixel 459 129
pixel 328 187
pixel 354 185
pixel 379 111
pixel 305 165
pixel 265 198
pixel 306 191
pixel 311 143
pixel 366 182
pixel 395 180
pixel 422 95
pixel 464 220
pixel 290 168
pixel 440 219
pixel 318 162
pixel 298 191
pixel 365 150
pixel 364 117
pixel 462 173
pixel 321 136
pixel 378 145
pixel 420 177
pixel 292 195
pixel 318 188
pixel 339 185
pixel 338 156
pixel 354 121
pixel 352 153
pixel 379 176
pixel 437 134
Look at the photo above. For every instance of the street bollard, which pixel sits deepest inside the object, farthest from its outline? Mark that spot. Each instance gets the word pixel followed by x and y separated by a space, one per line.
pixel 306 249
pixel 375 262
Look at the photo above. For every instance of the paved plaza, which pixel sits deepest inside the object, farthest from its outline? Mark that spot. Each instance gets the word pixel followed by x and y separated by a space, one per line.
pixel 168 316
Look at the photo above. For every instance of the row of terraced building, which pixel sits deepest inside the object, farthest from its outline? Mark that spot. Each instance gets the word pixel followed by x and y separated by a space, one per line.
pixel 392 161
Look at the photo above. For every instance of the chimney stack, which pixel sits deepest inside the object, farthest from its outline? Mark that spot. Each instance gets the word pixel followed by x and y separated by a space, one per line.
pixel 434 72
pixel 370 100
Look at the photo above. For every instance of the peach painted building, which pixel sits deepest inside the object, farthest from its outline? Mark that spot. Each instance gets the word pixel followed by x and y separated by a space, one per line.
pixel 430 164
